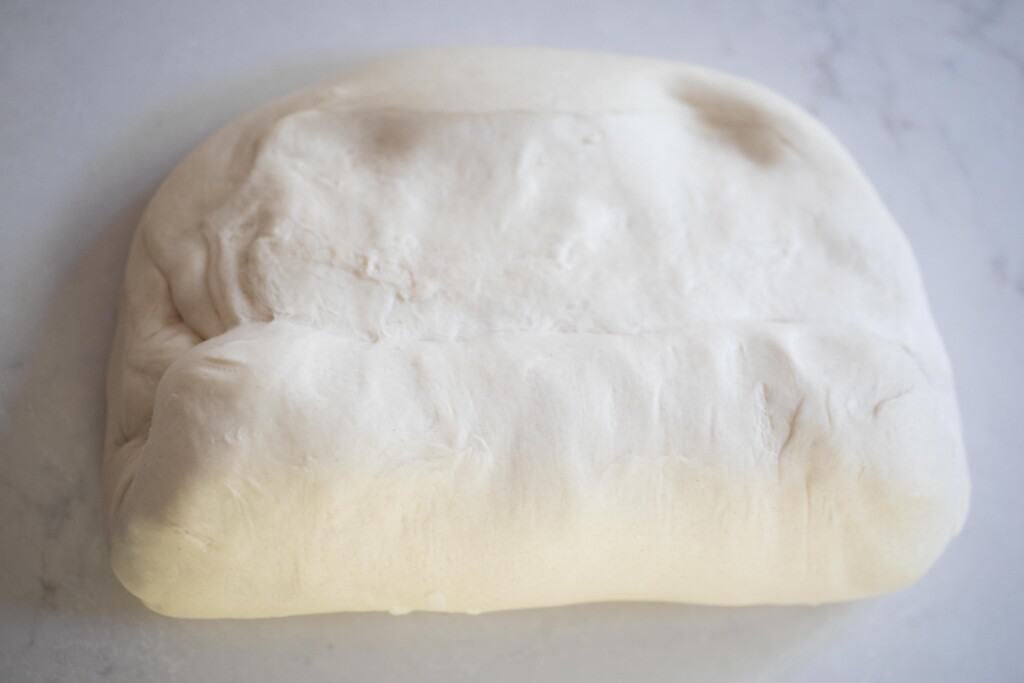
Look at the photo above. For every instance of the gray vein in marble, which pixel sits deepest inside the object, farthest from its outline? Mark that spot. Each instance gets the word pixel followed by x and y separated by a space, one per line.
pixel 1003 276
pixel 895 123
pixel 953 152
pixel 827 82
pixel 977 28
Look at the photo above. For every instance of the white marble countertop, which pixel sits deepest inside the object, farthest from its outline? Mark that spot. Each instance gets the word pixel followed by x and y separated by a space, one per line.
pixel 99 99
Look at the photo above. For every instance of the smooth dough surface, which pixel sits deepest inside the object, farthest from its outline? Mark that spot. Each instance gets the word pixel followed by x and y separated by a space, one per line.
pixel 474 330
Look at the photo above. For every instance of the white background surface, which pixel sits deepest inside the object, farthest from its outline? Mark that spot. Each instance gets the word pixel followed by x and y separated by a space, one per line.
pixel 98 100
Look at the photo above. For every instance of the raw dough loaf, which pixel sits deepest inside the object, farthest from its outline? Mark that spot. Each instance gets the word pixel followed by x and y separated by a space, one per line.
pixel 481 330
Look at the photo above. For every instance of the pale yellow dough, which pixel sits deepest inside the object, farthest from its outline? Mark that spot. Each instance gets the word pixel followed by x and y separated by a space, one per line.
pixel 476 330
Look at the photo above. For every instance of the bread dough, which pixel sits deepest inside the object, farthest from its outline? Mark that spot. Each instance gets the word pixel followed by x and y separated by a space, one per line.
pixel 476 330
